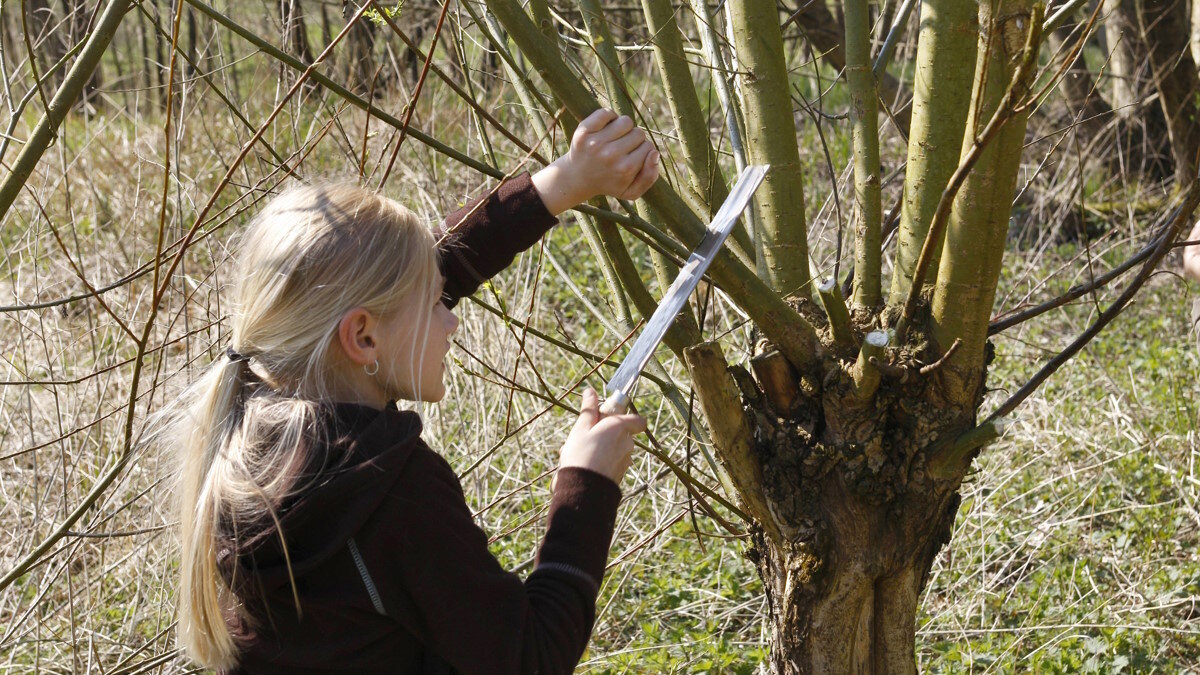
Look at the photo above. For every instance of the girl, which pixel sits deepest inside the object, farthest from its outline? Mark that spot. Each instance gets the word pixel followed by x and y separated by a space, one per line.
pixel 319 533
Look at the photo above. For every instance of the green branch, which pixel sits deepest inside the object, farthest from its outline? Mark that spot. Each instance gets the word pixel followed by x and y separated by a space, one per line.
pixel 771 139
pixel 864 114
pixel 977 228
pixel 80 72
pixel 793 335
pixel 677 83
pixel 945 69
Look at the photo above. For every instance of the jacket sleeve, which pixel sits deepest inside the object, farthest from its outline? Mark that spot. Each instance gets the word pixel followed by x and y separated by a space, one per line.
pixel 482 238
pixel 440 581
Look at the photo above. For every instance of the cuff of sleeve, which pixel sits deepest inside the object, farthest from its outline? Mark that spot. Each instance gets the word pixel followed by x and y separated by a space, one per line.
pixel 583 513
pixel 518 200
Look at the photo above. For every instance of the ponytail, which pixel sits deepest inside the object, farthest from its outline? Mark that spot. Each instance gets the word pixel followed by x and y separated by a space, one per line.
pixel 211 426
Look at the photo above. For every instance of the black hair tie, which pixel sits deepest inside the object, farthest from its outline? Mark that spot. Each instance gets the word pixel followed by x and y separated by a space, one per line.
pixel 235 357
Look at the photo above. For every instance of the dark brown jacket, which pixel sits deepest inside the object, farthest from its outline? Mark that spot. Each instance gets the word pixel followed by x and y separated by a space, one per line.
pixel 389 570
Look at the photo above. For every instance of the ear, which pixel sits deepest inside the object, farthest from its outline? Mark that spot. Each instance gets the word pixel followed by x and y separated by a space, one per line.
pixel 356 335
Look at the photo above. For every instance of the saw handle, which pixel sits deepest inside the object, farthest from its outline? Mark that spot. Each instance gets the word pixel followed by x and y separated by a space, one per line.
pixel 617 404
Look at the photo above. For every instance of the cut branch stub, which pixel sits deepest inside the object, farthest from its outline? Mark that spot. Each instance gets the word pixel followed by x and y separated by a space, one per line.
pixel 732 433
pixel 778 380
pixel 839 316
pixel 866 375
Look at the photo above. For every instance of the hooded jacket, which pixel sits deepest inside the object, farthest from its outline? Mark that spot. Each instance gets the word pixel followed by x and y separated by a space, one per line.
pixel 377 566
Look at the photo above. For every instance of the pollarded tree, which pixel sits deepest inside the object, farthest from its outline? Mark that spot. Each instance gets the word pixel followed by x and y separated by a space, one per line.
pixel 847 447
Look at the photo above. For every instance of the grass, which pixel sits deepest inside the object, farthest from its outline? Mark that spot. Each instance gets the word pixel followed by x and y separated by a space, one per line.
pixel 1074 548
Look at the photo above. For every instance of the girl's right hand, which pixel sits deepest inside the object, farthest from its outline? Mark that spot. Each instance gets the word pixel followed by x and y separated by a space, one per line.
pixel 601 443
pixel 609 155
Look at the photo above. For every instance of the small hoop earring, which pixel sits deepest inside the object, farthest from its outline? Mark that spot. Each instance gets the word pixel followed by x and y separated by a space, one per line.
pixel 369 370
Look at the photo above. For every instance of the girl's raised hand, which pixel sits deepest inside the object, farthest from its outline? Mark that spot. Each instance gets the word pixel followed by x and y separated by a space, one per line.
pixel 608 156
pixel 601 443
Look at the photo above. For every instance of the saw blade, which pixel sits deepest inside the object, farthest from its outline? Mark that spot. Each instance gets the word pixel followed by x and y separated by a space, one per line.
pixel 620 387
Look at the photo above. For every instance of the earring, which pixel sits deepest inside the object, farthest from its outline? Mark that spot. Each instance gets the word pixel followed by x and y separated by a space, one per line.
pixel 372 369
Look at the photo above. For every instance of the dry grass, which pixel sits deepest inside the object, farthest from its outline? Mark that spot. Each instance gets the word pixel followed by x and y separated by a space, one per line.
pixel 1075 546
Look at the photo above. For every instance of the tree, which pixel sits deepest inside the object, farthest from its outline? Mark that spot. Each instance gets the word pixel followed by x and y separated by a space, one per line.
pixel 847 447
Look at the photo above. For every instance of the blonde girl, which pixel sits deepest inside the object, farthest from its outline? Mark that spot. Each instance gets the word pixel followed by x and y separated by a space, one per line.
pixel 318 532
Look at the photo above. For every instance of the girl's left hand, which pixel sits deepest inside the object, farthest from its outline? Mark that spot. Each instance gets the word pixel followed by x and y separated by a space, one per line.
pixel 608 156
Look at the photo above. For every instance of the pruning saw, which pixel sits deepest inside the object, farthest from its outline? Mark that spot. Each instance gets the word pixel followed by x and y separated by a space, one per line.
pixel 620 388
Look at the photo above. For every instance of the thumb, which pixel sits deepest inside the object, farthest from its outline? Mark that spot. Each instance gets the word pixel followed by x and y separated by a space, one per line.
pixel 589 410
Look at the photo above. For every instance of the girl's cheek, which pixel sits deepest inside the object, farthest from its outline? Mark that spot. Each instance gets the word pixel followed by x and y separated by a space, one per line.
pixel 450 321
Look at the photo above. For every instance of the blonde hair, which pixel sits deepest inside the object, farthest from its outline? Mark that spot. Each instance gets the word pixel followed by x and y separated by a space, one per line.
pixel 246 429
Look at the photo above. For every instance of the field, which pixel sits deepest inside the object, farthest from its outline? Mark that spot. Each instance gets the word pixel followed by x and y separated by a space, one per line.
pixel 1075 549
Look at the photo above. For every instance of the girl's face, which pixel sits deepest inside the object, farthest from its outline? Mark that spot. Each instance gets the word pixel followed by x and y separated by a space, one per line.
pixel 413 347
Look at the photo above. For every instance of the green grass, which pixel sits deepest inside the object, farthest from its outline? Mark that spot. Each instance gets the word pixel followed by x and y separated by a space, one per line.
pixel 1074 549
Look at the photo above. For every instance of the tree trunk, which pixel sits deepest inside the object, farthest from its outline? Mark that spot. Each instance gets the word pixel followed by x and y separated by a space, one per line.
pixel 1195 35
pixel 846 602
pixel 1144 132
pixel 160 54
pixel 359 53
pixel 295 32
pixel 1164 27
pixel 848 520
pixel 1078 87
pixel 1126 54
pixel 190 44
pixel 295 36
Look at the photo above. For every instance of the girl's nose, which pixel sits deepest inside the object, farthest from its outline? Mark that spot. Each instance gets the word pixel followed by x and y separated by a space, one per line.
pixel 453 323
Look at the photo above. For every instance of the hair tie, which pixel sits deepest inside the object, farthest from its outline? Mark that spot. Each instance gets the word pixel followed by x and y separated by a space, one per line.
pixel 235 357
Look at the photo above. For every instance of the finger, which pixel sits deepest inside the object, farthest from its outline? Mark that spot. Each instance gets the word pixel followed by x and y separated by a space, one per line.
pixel 597 120
pixel 628 143
pixel 615 129
pixel 589 410
pixel 628 423
pixel 645 178
pixel 631 164
pixel 631 423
